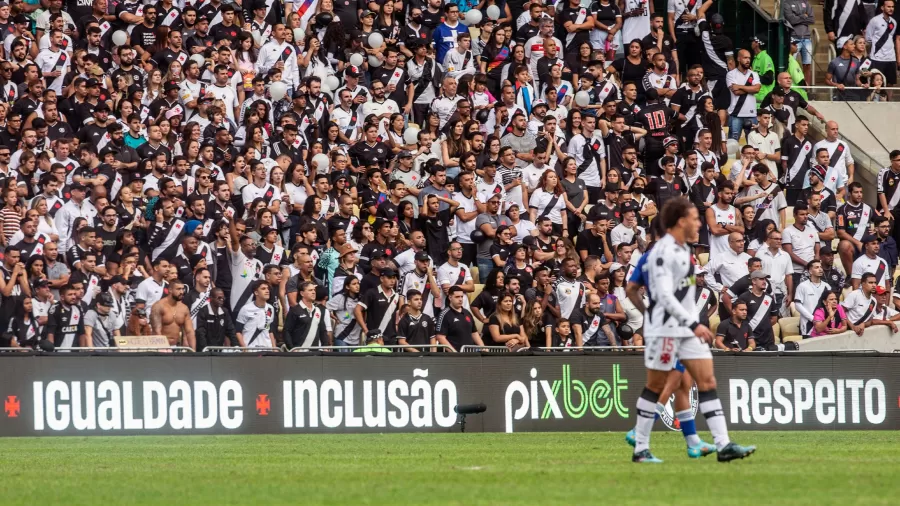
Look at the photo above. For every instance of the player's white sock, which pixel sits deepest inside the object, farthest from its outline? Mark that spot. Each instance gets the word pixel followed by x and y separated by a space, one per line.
pixel 711 407
pixel 686 420
pixel 646 414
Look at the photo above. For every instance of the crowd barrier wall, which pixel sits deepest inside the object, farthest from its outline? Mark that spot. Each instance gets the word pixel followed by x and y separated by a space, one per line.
pixel 132 394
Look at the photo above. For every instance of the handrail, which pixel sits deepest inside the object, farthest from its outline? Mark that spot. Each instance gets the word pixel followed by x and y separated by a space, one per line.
pixel 389 346
pixel 589 348
pixel 474 348
pixel 235 349
pixel 19 349
pixel 815 45
pixel 161 349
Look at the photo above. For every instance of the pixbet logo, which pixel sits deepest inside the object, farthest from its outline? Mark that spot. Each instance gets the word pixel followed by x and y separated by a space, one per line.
pixel 601 398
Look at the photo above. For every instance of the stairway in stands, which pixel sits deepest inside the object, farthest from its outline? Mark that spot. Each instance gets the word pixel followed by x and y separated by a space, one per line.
pixel 821 57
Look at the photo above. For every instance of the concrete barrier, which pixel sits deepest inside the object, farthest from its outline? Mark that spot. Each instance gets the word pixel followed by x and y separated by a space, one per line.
pixel 878 338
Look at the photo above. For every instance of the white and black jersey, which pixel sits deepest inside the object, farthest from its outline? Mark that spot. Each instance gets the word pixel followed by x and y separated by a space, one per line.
pixel 758 312
pixel 255 324
pixel 719 243
pixel 803 243
pixel 587 154
pixel 412 280
pixel 888 181
pixel 877 266
pixel 844 17
pixel 165 238
pixel 151 292
pixel 795 158
pixel 706 300
pixel 860 308
pixel 838 160
pixel 686 98
pixel 306 326
pixel 681 7
pixel 65 325
pixel 453 276
pixel 742 106
pixel 244 271
pixel 671 288
pixel 592 325
pixel 807 297
pixel 570 294
pixel 854 219
pixel 716 51
pixel 251 192
pixel 346 328
pixel 195 301
pixel 880 33
pixel 381 310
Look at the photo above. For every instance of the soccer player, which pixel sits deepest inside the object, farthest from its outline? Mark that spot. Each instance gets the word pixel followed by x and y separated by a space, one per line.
pixel 678 382
pixel 672 332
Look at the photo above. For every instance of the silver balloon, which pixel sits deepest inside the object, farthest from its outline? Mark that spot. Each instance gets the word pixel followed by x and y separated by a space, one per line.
pixel 374 61
pixel 326 89
pixel 199 59
pixel 321 163
pixel 493 12
pixel 472 18
pixel 332 82
pixel 120 38
pixel 411 135
pixel 732 146
pixel 582 98
pixel 277 90
pixel 356 59
pixel 375 40
pixel 298 35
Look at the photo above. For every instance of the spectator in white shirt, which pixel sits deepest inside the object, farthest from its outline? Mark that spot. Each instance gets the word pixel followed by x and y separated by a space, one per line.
pixel 731 265
pixel 776 263
pixel 801 241
pixel 860 304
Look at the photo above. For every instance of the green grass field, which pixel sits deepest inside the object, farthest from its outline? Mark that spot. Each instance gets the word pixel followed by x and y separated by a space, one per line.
pixel 498 469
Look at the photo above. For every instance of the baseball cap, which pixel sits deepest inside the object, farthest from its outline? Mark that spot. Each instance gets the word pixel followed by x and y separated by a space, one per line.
pixel 422 256
pixel 700 272
pixel 117 279
pixel 826 250
pixel 41 282
pixel 171 85
pixel 101 106
pixel 266 230
pixel 612 188
pixel 90 83
pixel 367 12
pixel 377 254
pixel 105 299
pixel 202 18
pixel 761 39
pixel 759 274
pixel 843 41
pixel 615 266
pixel 20 18
pixel 352 71
pixel 77 186
pixel 390 273
pixel 869 238
pixel 373 334
pixel 880 290
pixel 405 154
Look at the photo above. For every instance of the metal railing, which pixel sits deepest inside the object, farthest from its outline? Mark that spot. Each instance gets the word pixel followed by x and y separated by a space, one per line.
pixel 19 350
pixel 474 348
pixel 589 348
pixel 831 89
pixel 440 347
pixel 158 349
pixel 815 44
pixel 241 349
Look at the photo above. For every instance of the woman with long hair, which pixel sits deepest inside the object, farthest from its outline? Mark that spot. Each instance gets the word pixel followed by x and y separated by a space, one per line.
pixel 405 218
pixel 536 331
pixel 518 265
pixel 485 304
pixel 244 59
pixel 761 232
pixel 311 212
pixel 549 200
pixel 45 223
pixel 169 139
pixel 504 327
pixel 24 327
pixel 502 247
pixel 578 61
pixel 129 214
pixel 433 124
pixel 174 72
pixel 387 24
pixel 516 58
pixel 830 317
pixel 495 53
pixel 453 147
pixel 335 43
pixel 190 132
pixel 361 235
pixel 332 141
pixel 314 60
pixel 395 134
pixel 576 193
pixel 154 90
pixel 617 282
pixel 632 67
pixel 341 305
pixel 491 151
pixel 573 124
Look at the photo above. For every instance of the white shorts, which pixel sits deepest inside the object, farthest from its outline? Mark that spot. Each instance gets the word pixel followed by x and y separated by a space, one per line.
pixel 660 353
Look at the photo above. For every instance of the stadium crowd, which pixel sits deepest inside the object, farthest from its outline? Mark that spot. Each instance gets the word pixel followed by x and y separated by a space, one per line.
pixel 324 173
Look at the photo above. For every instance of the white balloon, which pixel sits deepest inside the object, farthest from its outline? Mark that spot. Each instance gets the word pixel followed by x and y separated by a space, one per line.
pixel 375 40
pixel 120 38
pixel 326 89
pixel 411 135
pixel 374 61
pixel 199 59
pixel 321 163
pixel 298 35
pixel 732 146
pixel 473 17
pixel 332 82
pixel 493 12
pixel 277 90
pixel 356 59
pixel 582 98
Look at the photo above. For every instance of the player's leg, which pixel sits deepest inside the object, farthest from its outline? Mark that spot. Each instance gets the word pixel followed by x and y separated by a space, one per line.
pixel 673 380
pixel 659 358
pixel 684 413
pixel 697 358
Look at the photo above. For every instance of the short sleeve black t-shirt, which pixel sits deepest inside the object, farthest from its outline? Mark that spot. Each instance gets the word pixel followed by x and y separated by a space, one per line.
pixel 572 14
pixel 732 335
pixel 457 326
pixel 505 328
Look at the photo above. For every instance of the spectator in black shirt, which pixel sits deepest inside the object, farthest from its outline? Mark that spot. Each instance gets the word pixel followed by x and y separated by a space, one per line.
pixel 734 334
pixel 456 325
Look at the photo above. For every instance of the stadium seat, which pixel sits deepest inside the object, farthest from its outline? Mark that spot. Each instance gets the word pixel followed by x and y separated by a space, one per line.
pixel 792 339
pixel 789 215
pixel 475 274
pixel 790 327
pixel 478 289
pixel 776 330
pixel 703 258
pixel 714 323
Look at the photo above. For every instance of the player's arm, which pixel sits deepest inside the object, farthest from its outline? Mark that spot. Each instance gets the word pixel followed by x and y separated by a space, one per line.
pixel 190 337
